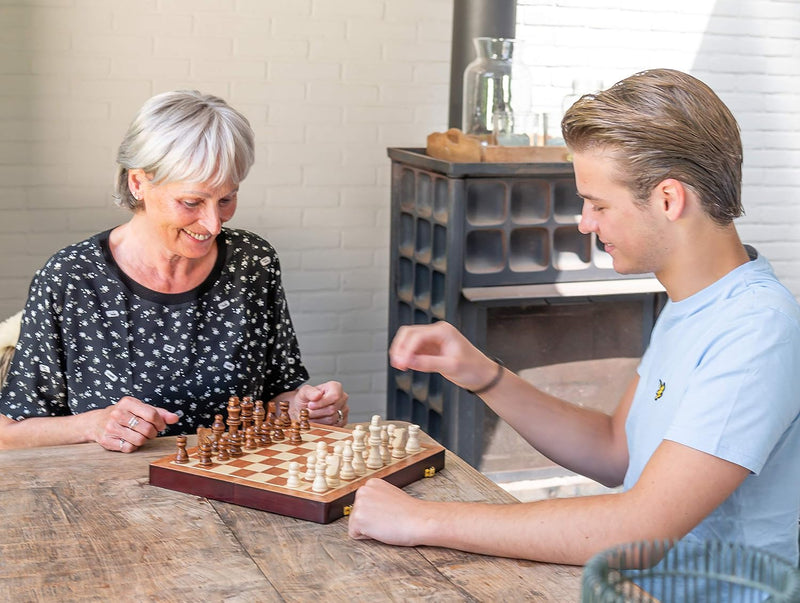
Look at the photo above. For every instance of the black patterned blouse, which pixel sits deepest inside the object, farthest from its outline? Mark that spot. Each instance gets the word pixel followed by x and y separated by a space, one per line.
pixel 91 335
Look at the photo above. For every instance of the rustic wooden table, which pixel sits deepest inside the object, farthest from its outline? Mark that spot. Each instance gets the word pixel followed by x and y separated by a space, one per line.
pixel 81 523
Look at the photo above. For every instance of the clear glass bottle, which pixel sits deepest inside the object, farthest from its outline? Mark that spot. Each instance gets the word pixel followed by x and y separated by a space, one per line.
pixel 497 91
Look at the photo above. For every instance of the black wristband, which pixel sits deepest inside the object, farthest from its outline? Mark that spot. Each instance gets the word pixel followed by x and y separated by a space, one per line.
pixel 495 380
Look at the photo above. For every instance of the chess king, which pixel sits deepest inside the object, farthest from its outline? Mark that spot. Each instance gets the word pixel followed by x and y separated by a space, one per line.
pixel 149 327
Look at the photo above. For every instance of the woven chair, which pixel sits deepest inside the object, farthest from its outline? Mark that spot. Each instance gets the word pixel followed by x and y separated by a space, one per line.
pixel 9 333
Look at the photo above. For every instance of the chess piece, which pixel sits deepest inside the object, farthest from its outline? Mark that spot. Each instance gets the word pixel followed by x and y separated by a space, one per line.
pixel 181 456
pixel 234 411
pixel 322 450
pixel 390 432
pixel 374 460
pixel 294 434
pixel 386 456
pixel 332 468
pixel 204 454
pixel 259 414
pixel 250 438
pixel 263 434
pixel 359 466
pixel 218 427
pixel 271 416
pixel 412 444
pixel 293 481
pixel 347 473
pixel 320 484
pixel 399 443
pixel 247 412
pixel 285 419
pixel 235 444
pixel 223 449
pixel 311 462
pixel 304 424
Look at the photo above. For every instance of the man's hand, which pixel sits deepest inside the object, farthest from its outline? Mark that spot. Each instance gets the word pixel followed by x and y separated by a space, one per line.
pixel 386 513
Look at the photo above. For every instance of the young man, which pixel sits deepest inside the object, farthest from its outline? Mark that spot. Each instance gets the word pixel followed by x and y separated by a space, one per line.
pixel 706 439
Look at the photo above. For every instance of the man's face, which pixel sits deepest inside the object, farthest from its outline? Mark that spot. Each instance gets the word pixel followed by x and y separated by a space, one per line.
pixel 630 233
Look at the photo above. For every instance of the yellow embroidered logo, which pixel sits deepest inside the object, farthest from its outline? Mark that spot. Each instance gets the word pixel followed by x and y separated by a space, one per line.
pixel 660 390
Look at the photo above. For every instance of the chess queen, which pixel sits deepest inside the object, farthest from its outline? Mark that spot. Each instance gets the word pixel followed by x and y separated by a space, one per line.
pixel 149 327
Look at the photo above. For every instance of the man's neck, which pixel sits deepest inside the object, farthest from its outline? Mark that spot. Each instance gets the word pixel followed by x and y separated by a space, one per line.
pixel 703 258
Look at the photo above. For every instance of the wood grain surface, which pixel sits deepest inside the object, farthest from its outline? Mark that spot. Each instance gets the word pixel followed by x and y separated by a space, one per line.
pixel 83 524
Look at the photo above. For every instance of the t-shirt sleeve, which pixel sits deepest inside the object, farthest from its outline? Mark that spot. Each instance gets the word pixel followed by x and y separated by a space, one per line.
pixel 284 367
pixel 36 384
pixel 744 394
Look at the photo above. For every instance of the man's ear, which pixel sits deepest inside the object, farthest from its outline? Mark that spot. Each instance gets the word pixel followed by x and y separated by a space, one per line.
pixel 671 197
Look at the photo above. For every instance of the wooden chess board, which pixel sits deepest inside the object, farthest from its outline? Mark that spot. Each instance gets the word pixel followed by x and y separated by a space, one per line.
pixel 257 479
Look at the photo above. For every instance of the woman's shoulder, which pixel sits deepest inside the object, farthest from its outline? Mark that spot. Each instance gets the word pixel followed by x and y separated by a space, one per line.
pixel 74 255
pixel 249 246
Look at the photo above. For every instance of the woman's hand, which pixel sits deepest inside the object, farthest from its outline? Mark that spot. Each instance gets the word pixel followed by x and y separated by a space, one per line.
pixel 326 403
pixel 129 423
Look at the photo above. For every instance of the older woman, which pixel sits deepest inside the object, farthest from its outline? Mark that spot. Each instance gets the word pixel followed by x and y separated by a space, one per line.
pixel 149 327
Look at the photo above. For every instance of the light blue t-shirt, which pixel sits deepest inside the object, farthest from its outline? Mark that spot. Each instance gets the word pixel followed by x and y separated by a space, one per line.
pixel 722 375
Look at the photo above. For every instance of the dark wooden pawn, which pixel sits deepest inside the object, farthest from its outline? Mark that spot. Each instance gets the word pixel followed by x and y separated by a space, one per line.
pixel 294 434
pixel 181 456
pixel 223 449
pixel 304 424
pixel 205 454
pixel 286 420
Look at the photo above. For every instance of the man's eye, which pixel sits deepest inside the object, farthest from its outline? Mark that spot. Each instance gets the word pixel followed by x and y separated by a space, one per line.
pixel 191 204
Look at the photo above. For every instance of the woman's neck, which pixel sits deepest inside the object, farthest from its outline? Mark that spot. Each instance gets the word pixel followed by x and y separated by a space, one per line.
pixel 144 259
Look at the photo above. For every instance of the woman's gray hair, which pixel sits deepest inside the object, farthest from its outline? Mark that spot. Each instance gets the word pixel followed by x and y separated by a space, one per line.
pixel 185 136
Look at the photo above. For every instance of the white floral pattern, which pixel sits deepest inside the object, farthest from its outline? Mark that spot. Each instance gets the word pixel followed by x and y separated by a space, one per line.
pixel 91 335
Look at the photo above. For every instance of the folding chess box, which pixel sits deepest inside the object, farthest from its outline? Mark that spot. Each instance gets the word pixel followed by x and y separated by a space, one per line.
pixel 258 478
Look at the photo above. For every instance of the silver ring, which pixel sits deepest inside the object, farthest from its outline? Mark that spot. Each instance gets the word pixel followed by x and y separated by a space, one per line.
pixel 341 415
pixel 121 443
pixel 133 422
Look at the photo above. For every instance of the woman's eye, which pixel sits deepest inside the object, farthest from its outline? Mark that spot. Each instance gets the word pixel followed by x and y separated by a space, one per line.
pixel 191 204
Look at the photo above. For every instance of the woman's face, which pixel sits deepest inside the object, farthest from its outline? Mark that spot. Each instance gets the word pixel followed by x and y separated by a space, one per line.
pixel 186 216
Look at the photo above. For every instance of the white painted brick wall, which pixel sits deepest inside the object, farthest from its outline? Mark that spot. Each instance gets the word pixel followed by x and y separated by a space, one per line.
pixel 328 85
pixel 748 52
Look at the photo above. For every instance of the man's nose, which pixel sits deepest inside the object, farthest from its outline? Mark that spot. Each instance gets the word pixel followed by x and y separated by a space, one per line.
pixel 587 223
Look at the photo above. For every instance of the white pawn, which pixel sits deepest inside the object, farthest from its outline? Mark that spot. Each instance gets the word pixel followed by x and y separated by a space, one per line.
pixel 412 445
pixel 359 466
pixel 359 435
pixel 399 443
pixel 311 461
pixel 320 484
pixel 293 480
pixel 332 463
pixel 322 451
pixel 347 473
pixel 386 455
pixel 390 432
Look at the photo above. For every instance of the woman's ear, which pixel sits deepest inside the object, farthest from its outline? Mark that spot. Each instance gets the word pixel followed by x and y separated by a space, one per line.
pixel 136 181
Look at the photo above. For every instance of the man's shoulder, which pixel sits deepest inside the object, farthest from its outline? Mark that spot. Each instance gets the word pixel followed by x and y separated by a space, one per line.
pixel 762 291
